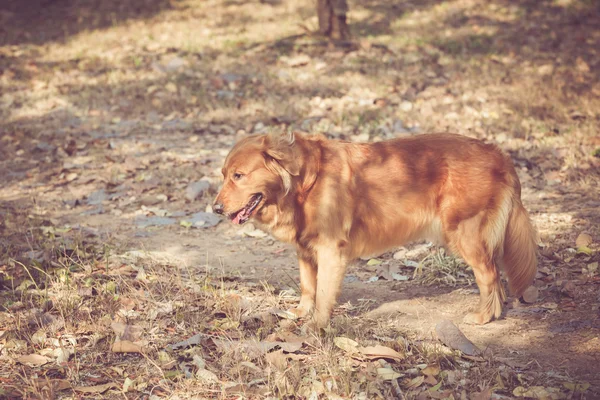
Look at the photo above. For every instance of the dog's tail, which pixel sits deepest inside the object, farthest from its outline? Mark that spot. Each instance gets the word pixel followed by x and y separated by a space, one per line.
pixel 519 257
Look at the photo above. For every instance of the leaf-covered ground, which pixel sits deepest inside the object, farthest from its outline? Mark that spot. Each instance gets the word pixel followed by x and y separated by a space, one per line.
pixel 115 118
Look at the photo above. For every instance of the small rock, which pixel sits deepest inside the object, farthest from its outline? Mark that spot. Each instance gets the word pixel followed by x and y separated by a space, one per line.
pixel 398 127
pixel 530 295
pixel 229 77
pixel 297 61
pixel 94 211
pixel 154 221
pixel 43 146
pixel 400 254
pixel 419 250
pixel 361 138
pixel 406 106
pixel 451 336
pixel 250 230
pixel 501 137
pixel 204 220
pixel 196 189
pixel 175 64
pixel 546 69
pixel 71 176
pixel 259 128
pixel 225 94
pixel 256 233
pixel 568 289
pixel 149 200
pixel 176 124
pixel 283 75
pixel 171 87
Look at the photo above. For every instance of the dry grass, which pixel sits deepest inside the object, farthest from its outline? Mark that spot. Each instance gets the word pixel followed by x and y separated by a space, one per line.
pixel 76 304
pixel 440 268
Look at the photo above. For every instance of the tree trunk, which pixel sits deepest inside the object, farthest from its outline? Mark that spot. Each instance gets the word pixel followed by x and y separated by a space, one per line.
pixel 332 18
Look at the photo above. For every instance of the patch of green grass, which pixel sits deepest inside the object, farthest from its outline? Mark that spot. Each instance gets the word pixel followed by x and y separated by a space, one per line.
pixel 471 44
pixel 442 268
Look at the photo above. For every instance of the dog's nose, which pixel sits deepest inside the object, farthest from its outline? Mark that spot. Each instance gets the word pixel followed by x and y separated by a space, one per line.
pixel 218 208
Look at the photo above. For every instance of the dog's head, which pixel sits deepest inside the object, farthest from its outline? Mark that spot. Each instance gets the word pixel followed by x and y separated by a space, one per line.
pixel 258 171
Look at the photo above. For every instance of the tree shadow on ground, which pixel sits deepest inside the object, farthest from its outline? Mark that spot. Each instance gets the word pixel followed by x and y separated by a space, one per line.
pixel 42 21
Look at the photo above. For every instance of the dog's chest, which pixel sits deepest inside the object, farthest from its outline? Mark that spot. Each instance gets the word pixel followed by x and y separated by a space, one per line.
pixel 279 227
pixel 284 233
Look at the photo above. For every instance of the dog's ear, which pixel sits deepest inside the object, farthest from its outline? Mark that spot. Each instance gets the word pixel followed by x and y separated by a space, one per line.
pixel 280 147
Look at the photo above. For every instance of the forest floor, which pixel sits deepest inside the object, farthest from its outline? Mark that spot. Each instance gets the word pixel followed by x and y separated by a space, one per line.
pixel 115 118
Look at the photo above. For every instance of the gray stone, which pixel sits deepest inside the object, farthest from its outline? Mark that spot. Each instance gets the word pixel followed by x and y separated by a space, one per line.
pixel 96 197
pixel 154 221
pixel 196 189
pixel 204 220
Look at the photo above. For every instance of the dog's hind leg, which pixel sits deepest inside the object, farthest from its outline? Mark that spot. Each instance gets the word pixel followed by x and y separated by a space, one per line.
pixel 308 285
pixel 468 241
pixel 491 294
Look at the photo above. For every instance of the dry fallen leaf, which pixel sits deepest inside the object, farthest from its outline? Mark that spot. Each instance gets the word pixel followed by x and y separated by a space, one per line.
pixel 583 240
pixel 127 384
pixel 34 359
pixel 285 314
pixel 191 341
pixel 348 345
pixel 39 337
pixel 430 380
pixel 379 351
pixel 127 346
pixel 126 332
pixel 431 370
pixel 255 348
pixel 539 392
pixel 483 395
pixel 207 376
pixel 388 374
pixel 127 338
pixel 285 336
pixel 277 359
pixel 62 354
pixel 585 250
pixel 391 272
pixel 95 389
pixel 415 382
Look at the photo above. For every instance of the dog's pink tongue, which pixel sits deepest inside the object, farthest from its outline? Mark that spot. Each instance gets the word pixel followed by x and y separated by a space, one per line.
pixel 236 220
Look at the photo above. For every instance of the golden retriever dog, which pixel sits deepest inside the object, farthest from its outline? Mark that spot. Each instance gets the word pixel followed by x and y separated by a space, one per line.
pixel 337 201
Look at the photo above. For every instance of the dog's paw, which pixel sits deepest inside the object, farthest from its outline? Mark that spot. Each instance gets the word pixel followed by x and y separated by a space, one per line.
pixel 311 328
pixel 476 318
pixel 317 324
pixel 299 312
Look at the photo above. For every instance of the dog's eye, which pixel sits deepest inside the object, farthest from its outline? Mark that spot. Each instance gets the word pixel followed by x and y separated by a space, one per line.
pixel 237 176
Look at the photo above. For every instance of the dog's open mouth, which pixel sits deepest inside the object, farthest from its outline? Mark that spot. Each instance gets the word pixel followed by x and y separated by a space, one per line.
pixel 244 214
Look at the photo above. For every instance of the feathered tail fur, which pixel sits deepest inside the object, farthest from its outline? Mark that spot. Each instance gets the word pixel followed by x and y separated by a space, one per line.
pixel 519 258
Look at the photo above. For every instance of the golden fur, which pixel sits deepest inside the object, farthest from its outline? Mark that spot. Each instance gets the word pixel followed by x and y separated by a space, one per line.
pixel 336 201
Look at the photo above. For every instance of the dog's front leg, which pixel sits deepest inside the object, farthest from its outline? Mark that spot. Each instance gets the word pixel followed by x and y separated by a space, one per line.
pixel 308 284
pixel 331 267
